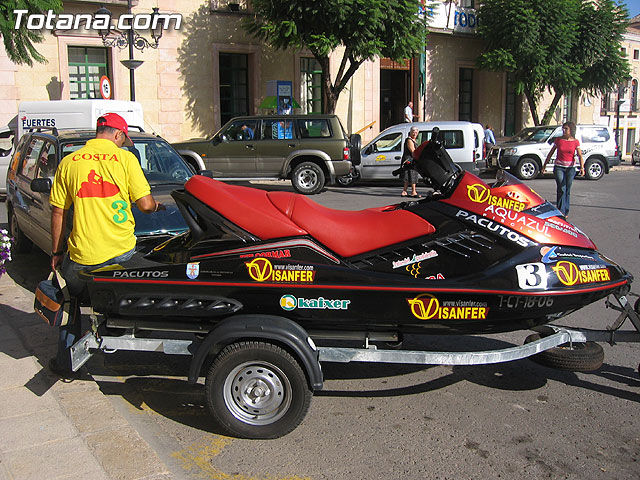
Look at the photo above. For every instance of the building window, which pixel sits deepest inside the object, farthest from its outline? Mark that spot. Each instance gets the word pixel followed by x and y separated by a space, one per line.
pixel 467 3
pixel 634 95
pixel 465 94
pixel 636 54
pixel 86 66
pixel 310 85
pixel 623 51
pixel 234 85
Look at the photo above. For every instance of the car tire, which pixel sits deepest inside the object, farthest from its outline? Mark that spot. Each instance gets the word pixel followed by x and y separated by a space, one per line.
pixel 257 390
pixel 594 169
pixel 527 169
pixel 308 178
pixel 20 243
pixel 580 357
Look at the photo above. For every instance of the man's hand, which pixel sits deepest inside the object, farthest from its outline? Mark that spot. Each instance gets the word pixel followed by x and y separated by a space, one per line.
pixel 56 261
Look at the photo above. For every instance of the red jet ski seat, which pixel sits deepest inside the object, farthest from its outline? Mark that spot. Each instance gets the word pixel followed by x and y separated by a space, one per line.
pixel 269 215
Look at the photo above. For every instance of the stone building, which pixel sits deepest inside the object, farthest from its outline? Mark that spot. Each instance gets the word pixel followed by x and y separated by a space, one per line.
pixel 210 70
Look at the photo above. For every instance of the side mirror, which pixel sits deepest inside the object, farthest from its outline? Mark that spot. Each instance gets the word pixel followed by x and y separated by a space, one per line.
pixel 41 185
pixel 206 173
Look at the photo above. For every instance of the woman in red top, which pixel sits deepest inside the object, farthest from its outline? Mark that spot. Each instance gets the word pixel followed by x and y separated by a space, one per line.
pixel 568 146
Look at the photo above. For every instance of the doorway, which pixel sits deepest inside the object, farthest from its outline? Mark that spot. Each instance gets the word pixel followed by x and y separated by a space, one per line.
pixel 394 95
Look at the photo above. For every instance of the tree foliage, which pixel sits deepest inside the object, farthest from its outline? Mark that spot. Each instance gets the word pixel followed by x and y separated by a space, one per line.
pixel 365 28
pixel 563 46
pixel 19 43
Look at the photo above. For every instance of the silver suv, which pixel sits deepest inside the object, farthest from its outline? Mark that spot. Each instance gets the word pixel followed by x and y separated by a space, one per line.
pixel 525 153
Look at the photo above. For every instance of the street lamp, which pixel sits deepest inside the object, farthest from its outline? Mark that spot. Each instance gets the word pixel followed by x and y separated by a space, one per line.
pixel 131 38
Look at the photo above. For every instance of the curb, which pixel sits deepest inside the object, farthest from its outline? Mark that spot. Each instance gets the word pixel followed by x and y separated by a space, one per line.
pixel 68 430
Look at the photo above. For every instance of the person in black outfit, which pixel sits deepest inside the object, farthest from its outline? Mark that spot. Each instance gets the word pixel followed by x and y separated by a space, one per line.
pixel 410 175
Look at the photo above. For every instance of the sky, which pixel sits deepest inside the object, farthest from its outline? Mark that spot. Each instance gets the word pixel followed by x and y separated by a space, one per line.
pixel 634 7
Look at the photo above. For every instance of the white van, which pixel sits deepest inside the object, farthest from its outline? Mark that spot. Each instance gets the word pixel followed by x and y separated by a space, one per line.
pixel 60 114
pixel 7 144
pixel 75 113
pixel 463 141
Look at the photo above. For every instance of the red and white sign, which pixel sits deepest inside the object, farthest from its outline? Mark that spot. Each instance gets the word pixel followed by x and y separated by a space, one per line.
pixel 105 87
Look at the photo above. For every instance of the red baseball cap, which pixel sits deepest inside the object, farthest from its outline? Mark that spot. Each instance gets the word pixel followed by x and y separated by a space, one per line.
pixel 114 120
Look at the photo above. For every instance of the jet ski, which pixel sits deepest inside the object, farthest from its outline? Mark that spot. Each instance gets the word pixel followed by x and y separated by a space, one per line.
pixel 469 258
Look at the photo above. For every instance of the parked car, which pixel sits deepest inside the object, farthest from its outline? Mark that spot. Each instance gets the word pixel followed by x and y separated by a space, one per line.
pixel 33 167
pixel 463 141
pixel 525 153
pixel 7 136
pixel 635 155
pixel 309 149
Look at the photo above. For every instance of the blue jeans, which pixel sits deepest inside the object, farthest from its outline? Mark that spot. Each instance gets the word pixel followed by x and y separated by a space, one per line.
pixel 70 333
pixel 564 178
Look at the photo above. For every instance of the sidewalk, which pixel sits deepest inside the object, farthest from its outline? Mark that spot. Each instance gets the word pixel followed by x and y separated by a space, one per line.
pixel 51 429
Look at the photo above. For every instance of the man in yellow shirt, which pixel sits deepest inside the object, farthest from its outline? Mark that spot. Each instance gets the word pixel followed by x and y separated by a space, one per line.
pixel 100 180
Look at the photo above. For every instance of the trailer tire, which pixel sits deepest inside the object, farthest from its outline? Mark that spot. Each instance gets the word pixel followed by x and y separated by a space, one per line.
pixel 257 390
pixel 583 357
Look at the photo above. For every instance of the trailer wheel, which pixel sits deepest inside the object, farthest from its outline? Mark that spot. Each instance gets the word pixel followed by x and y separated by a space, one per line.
pixel 257 390
pixel 583 357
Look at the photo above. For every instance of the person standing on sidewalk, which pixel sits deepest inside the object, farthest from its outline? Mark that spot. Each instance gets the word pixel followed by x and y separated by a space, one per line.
pixel 409 172
pixel 100 180
pixel 408 113
pixel 564 171
pixel 489 137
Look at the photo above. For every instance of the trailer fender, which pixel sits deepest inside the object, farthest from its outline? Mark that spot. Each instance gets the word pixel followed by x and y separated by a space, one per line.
pixel 261 327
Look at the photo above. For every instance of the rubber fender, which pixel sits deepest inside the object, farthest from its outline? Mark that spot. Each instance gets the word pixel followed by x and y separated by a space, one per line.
pixel 260 327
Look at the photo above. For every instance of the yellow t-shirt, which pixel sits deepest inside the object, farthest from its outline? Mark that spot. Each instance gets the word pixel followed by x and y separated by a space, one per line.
pixel 100 180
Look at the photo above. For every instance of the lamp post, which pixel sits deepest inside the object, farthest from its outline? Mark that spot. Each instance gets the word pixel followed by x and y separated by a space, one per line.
pixel 131 39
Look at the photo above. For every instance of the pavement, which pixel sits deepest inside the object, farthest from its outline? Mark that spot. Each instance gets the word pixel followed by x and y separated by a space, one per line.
pixel 54 429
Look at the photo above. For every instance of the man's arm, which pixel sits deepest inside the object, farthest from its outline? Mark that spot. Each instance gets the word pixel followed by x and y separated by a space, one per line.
pixel 148 204
pixel 58 221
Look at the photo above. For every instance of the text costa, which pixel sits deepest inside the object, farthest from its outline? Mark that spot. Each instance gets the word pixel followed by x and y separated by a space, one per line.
pixel 97 157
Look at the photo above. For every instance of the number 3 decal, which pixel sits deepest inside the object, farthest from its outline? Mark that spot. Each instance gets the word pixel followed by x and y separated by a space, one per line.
pixel 120 207
pixel 532 275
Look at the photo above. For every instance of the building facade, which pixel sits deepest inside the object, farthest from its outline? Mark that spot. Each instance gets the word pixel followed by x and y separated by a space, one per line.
pixel 210 70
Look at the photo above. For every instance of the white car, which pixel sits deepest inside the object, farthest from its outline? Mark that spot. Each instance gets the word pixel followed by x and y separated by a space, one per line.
pixel 463 141
pixel 525 153
pixel 7 135
pixel 635 156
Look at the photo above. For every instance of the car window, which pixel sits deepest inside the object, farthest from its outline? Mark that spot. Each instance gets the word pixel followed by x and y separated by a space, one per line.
pixel 392 142
pixel 541 135
pixel 317 128
pixel 277 129
pixel 47 163
pixel 160 162
pixel 31 157
pixel 240 130
pixel 452 138
pixel 595 134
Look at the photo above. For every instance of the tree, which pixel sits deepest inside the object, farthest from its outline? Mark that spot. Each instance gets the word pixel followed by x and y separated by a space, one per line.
pixel 562 46
pixel 365 28
pixel 19 43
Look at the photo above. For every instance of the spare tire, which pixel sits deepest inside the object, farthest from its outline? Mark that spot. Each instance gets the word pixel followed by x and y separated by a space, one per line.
pixel 355 142
pixel 580 357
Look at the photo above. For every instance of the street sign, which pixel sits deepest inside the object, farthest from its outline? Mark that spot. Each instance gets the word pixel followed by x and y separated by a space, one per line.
pixel 105 87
